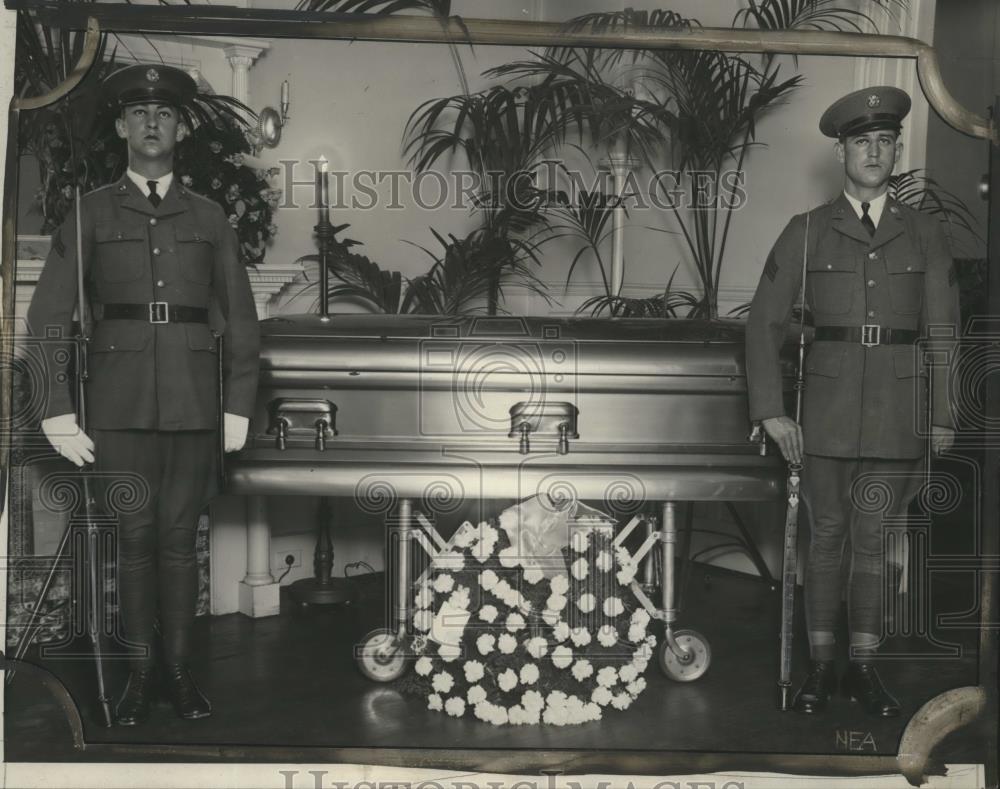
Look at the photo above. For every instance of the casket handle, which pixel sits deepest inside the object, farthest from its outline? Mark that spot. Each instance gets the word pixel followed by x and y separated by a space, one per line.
pixel 563 439
pixel 282 438
pixel 300 418
pixel 524 447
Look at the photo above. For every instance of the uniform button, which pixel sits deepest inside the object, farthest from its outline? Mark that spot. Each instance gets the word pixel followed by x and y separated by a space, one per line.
pixel 160 283
pixel 156 250
pixel 909 268
pixel 829 265
pixel 111 347
pixel 152 220
pixel 873 255
pixel 871 283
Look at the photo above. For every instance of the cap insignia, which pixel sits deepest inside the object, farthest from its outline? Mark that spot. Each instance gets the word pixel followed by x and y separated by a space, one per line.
pixel 152 75
pixel 874 100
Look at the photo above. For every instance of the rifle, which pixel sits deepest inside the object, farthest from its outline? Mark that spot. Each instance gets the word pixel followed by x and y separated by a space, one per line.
pixel 790 560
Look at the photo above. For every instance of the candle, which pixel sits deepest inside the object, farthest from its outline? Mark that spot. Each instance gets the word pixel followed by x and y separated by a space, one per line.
pixel 284 94
pixel 323 189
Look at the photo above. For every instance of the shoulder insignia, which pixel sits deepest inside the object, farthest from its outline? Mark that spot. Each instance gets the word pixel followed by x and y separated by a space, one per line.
pixel 57 243
pixel 771 268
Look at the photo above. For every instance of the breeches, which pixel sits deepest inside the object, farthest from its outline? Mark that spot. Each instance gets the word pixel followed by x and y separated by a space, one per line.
pixel 173 475
pixel 851 497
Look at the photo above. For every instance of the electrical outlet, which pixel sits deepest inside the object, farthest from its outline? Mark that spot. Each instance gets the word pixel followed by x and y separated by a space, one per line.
pixel 279 559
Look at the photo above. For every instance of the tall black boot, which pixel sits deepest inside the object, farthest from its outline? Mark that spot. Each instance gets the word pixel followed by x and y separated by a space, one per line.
pixel 814 694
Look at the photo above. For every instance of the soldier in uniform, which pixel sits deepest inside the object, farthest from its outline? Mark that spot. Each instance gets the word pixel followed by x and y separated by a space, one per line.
pixel 878 274
pixel 158 260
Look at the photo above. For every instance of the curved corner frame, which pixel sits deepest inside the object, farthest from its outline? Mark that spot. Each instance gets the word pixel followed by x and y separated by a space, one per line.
pixel 92 39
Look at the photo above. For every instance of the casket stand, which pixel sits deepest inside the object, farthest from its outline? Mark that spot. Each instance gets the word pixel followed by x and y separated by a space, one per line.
pixel 396 410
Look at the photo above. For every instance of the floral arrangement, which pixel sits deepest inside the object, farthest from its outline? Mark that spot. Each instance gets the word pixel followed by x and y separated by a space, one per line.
pixel 532 622
pixel 213 163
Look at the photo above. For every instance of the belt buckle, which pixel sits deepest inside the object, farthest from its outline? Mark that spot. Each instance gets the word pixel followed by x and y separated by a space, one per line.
pixel 871 335
pixel 159 312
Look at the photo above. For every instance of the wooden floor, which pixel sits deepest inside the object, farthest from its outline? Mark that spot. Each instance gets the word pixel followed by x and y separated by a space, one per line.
pixel 289 682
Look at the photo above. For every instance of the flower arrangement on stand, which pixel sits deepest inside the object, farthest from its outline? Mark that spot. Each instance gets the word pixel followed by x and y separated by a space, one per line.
pixel 533 621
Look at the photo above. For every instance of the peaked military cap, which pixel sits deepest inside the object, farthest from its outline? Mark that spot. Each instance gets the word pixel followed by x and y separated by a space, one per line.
pixel 148 84
pixel 869 109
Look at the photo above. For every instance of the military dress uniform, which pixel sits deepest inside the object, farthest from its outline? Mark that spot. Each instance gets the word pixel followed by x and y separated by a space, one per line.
pixel 159 278
pixel 873 298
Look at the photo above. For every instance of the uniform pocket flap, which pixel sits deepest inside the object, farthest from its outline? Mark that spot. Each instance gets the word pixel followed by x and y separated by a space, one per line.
pixel 115 231
pixel 111 336
pixel 905 264
pixel 192 234
pixel 825 361
pixel 828 262
pixel 199 337
pixel 907 362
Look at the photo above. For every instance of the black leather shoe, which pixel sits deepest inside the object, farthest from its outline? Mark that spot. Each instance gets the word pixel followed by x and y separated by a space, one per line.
pixel 133 707
pixel 862 684
pixel 189 702
pixel 815 693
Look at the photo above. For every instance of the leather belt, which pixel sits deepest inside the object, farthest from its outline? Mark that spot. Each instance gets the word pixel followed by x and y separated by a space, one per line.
pixel 869 335
pixel 155 312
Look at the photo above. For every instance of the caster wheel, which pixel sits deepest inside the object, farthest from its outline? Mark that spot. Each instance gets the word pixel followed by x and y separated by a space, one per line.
pixel 687 667
pixel 380 658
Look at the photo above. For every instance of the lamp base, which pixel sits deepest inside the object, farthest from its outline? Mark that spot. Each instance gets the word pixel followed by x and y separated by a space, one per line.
pixel 312 591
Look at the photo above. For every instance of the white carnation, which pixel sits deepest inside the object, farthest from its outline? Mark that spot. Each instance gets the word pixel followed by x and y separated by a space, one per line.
pixel 488 613
pixel 580 636
pixel 442 682
pixel 607 636
pixel 423 620
pixel 637 687
pixel 561 632
pixel 607 676
pixel 582 669
pixel 532 700
pixel 475 695
pixel 580 569
pixel 509 557
pixel 537 647
pixel 533 575
pixel 474 671
pixel 627 673
pixel 515 622
pixel 621 701
pixel 587 602
pixel 424 598
pixel 559 584
pixel 529 674
pixel 434 702
pixel 488 579
pixel 636 633
pixel 601 696
pixel 556 716
pixel 640 665
pixel 604 562
pixel 613 607
pixel 423 666
pixel 455 707
pixel 443 583
pixel 562 656
pixel 449 652
pixel 556 698
pixel 507 681
pixel 516 716
pixel 550 617
pixel 556 602
pixel 485 643
pixel 626 574
pixel 640 617
pixel 506 644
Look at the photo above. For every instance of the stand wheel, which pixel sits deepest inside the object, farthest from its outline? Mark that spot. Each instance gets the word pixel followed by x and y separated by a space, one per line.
pixel 689 666
pixel 380 658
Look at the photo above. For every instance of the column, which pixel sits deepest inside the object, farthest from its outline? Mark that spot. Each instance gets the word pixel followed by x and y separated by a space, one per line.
pixel 259 592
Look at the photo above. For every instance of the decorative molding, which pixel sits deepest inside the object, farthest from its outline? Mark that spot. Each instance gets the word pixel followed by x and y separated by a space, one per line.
pixel 913 21
pixel 267 281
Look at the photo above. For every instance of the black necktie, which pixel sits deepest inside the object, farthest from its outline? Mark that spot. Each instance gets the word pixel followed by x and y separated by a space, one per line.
pixel 154 198
pixel 867 220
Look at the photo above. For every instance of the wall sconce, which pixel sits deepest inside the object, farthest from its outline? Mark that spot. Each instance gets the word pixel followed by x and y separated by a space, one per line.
pixel 270 121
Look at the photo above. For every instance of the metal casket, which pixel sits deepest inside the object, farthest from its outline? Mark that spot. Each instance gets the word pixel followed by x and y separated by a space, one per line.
pixel 621 410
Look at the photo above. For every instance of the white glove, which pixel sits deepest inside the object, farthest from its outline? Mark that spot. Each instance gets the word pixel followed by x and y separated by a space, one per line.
pixel 234 432
pixel 68 439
